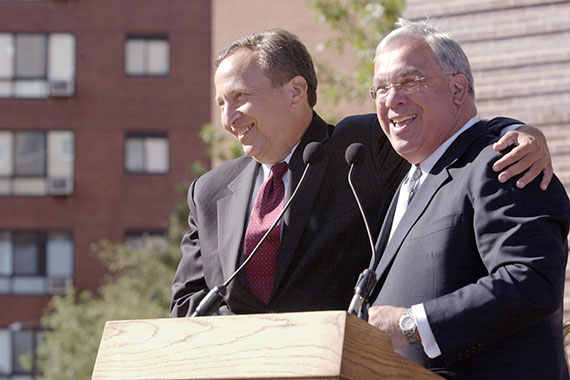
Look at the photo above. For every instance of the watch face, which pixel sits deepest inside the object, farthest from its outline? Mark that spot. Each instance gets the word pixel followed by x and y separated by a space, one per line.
pixel 408 323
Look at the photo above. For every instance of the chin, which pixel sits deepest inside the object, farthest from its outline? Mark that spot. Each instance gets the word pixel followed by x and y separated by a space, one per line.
pixel 249 151
pixel 408 154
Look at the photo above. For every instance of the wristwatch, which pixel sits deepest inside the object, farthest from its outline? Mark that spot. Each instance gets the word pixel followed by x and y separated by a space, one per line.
pixel 408 327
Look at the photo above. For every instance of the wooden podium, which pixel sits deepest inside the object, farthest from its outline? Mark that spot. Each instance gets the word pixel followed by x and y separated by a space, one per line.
pixel 311 345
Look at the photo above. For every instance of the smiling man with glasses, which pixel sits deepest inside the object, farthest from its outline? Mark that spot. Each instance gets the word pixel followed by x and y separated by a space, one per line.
pixel 471 275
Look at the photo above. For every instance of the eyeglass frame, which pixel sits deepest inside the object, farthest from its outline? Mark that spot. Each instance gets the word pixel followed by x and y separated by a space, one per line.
pixel 373 91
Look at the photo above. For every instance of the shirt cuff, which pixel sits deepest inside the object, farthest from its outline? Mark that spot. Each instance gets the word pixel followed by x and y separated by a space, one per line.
pixel 427 339
pixel 509 128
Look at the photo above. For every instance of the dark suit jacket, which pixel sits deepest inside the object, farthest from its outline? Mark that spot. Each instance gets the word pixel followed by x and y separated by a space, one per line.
pixel 324 246
pixel 488 261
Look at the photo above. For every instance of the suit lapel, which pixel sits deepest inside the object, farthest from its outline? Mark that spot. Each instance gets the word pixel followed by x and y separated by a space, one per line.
pixel 232 211
pixel 297 216
pixel 420 202
pixel 438 176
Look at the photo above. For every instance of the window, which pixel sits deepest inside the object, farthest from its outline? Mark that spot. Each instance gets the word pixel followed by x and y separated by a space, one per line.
pixel 148 154
pixel 30 154
pixel 37 65
pixel 18 344
pixel 35 262
pixel 147 55
pixel 34 163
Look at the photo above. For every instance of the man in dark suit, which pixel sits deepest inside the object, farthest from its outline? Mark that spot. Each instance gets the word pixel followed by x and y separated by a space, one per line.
pixel 266 90
pixel 323 248
pixel 471 276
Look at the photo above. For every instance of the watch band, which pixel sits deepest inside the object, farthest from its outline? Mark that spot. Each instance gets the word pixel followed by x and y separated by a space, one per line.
pixel 408 326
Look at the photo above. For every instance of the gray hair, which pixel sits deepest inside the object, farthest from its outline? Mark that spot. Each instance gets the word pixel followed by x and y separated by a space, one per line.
pixel 447 51
pixel 281 57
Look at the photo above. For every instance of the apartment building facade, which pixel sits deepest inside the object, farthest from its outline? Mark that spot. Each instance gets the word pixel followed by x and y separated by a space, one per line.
pixel 101 103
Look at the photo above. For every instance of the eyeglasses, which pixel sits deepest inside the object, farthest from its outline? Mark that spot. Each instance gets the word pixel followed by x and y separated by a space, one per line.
pixel 407 87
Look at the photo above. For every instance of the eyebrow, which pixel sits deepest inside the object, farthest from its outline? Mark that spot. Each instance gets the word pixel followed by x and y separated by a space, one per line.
pixel 409 72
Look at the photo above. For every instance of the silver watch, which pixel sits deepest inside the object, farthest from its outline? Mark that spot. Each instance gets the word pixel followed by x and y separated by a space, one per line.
pixel 408 326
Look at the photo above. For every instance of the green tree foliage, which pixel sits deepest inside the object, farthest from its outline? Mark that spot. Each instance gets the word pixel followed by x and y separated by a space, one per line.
pixel 220 147
pixel 359 25
pixel 137 287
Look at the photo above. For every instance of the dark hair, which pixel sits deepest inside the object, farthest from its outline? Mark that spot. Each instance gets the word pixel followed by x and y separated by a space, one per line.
pixel 281 57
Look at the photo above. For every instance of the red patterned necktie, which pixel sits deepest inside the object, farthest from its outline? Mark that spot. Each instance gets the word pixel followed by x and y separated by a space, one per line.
pixel 259 273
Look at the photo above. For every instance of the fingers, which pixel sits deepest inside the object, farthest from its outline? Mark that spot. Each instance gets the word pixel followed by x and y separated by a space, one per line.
pixel 524 144
pixel 529 176
pixel 515 163
pixel 547 177
pixel 510 138
pixel 519 159
pixel 530 156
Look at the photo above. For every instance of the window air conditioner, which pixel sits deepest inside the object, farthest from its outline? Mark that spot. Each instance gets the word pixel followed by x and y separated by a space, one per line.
pixel 61 88
pixel 60 186
pixel 57 284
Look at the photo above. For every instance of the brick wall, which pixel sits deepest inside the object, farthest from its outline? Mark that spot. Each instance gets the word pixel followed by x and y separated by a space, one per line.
pixel 520 54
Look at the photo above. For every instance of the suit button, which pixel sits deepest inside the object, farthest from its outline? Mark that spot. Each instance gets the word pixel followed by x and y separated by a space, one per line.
pixel 480 347
pixel 474 350
pixel 467 354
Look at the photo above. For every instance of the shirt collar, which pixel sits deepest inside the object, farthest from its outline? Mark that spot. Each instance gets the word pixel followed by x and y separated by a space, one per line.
pixel 428 164
pixel 267 168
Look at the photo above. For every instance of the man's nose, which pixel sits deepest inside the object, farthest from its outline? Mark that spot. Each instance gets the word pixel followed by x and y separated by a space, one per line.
pixel 394 96
pixel 230 114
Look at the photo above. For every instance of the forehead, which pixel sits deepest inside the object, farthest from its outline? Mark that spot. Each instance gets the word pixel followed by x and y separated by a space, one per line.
pixel 405 57
pixel 239 71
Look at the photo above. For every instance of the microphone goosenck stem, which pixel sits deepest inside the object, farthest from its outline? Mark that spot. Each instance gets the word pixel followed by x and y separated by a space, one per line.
pixel 312 155
pixel 355 155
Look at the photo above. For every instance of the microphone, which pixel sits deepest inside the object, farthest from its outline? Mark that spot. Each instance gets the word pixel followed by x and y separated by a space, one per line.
pixel 355 155
pixel 313 154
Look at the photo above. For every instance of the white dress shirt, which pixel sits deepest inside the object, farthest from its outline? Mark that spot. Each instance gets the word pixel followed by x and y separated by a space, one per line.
pixel 427 338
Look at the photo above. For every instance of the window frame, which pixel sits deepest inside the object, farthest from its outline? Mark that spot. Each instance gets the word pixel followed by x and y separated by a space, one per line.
pixel 15 154
pixel 43 262
pixel 51 155
pixel 37 335
pixel 144 136
pixel 15 83
pixel 45 39
pixel 146 38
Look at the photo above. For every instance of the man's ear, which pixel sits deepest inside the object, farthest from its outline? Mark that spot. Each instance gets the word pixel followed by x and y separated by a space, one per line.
pixel 460 88
pixel 298 90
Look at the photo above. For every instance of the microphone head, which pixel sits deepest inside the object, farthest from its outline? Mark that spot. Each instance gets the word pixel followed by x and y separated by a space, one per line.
pixel 314 153
pixel 355 154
